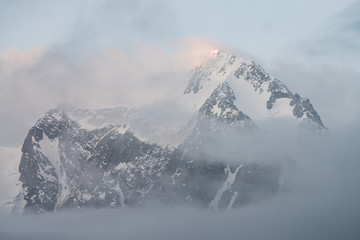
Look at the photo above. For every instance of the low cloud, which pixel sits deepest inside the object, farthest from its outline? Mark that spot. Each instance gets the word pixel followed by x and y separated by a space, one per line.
pixel 332 89
pixel 321 202
pixel 36 80
pixel 339 42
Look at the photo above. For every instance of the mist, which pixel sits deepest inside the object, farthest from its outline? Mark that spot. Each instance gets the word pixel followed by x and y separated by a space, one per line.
pixel 140 54
pixel 318 201
pixel 319 194
pixel 42 78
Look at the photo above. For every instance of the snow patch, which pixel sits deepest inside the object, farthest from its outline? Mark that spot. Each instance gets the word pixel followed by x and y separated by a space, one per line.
pixel 216 110
pixel 249 101
pixel 121 166
pixel 10 186
pixel 282 108
pixel 50 148
pixel 214 204
pixel 232 200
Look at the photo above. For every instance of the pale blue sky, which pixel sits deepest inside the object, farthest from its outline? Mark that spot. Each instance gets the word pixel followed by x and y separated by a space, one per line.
pixel 261 27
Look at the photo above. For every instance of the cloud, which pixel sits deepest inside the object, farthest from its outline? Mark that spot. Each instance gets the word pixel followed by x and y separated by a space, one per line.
pixel 128 67
pixel 325 69
pixel 121 23
pixel 85 25
pixel 22 28
pixel 42 78
pixel 332 89
pixel 321 203
pixel 339 43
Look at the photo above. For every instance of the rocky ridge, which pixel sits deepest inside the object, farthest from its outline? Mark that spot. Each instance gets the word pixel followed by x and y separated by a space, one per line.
pixel 67 164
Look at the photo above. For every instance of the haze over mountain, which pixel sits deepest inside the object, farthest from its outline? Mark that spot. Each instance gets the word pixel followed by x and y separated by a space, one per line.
pixel 132 130
pixel 216 158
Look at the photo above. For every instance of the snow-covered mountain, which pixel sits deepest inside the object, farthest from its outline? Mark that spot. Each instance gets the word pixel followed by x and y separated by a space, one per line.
pixel 117 158
pixel 253 91
pixel 67 166
pixel 9 178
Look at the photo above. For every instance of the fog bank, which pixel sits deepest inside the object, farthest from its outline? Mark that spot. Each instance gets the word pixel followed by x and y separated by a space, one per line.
pixel 320 202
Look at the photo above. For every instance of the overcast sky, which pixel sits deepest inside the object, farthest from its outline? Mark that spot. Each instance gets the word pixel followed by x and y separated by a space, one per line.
pixel 60 53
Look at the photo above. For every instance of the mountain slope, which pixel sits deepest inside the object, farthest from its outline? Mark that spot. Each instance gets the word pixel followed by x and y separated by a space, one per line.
pixel 117 158
pixel 218 124
pixel 257 94
pixel 66 166
pixel 9 177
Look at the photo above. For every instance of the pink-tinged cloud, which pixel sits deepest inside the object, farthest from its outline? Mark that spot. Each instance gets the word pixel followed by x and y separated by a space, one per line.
pixel 36 80
pixel 13 59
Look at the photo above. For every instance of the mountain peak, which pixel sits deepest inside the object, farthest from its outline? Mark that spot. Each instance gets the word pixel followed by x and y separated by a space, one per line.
pixel 258 94
pixel 120 157
pixel 214 52
pixel 214 70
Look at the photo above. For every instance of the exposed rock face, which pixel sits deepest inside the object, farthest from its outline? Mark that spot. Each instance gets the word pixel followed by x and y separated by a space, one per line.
pixel 66 164
pixel 220 126
pixel 241 73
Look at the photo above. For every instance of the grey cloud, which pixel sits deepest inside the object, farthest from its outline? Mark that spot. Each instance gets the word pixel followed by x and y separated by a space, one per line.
pixel 121 23
pixel 84 25
pixel 332 89
pixel 25 24
pixel 34 81
pixel 340 42
pixel 321 203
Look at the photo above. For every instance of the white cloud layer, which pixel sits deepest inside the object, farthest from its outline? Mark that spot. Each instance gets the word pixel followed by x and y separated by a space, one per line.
pixel 42 78
pixel 321 202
